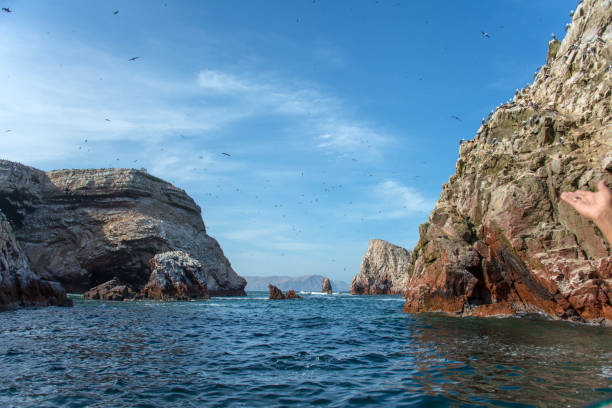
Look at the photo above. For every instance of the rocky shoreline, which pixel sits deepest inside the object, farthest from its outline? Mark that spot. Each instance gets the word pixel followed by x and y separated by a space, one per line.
pixel 82 228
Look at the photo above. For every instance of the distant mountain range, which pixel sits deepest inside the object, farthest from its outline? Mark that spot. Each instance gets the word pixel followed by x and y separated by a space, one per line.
pixel 307 283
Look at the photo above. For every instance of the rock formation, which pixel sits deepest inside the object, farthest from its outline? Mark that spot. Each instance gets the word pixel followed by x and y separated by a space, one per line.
pixel 175 276
pixel 500 241
pixel 114 289
pixel 306 283
pixel 326 286
pixel 384 270
pixel 84 227
pixel 19 286
pixel 292 295
pixel 275 293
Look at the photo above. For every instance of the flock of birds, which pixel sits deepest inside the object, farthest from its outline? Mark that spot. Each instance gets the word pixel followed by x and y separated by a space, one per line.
pixel 302 199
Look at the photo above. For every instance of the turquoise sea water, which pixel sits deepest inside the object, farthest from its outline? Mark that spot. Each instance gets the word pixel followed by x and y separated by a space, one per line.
pixel 329 351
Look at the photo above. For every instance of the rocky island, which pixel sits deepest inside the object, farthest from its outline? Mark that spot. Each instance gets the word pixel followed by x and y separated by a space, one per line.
pixel 383 271
pixel 500 241
pixel 83 228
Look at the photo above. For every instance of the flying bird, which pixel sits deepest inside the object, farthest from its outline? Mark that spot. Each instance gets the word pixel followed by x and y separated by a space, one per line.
pixel 107 119
pixel 116 12
pixel 226 154
pixel 7 10
pixel 456 118
pixel 485 35
pixel 133 58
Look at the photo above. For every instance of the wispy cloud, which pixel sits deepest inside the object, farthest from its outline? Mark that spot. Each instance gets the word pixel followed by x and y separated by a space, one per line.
pixel 269 237
pixel 321 116
pixel 331 56
pixel 399 200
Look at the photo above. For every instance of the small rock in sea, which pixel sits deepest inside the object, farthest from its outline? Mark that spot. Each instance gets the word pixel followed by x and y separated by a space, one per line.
pixel 292 295
pixel 275 293
pixel 326 286
pixel 114 289
pixel 176 276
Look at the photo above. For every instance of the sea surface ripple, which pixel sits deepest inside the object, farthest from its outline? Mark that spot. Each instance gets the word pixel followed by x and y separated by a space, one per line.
pixel 330 351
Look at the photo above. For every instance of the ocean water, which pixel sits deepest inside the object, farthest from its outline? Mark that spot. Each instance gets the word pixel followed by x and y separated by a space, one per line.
pixel 328 351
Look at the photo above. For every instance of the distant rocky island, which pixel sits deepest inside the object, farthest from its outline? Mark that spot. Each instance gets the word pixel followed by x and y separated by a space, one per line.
pixel 500 241
pixel 383 271
pixel 305 283
pixel 82 228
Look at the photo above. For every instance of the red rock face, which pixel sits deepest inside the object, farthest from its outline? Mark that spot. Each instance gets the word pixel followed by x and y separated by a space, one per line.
pixel 275 293
pixel 292 295
pixel 500 240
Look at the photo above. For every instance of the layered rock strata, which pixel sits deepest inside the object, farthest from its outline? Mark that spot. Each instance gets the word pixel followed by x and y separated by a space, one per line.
pixel 500 241
pixel 84 227
pixel 326 286
pixel 383 271
pixel 19 285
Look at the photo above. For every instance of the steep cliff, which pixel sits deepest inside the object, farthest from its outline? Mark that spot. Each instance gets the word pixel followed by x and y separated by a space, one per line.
pixel 85 227
pixel 19 286
pixel 500 240
pixel 384 270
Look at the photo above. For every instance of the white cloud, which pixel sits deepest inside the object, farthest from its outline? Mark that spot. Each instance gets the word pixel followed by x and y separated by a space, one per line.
pixel 321 116
pixel 269 237
pixel 220 82
pixel 396 200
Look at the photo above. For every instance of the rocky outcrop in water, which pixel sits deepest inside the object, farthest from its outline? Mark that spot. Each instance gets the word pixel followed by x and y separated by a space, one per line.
pixel 175 276
pixel 275 293
pixel 85 227
pixel 500 241
pixel 19 286
pixel 326 286
pixel 292 295
pixel 114 289
pixel 306 283
pixel 384 270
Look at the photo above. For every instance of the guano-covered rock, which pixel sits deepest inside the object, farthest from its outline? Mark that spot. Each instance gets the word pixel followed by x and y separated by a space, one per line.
pixel 500 241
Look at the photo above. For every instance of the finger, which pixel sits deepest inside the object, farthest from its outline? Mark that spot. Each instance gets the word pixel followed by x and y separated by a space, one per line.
pixel 569 198
pixel 602 186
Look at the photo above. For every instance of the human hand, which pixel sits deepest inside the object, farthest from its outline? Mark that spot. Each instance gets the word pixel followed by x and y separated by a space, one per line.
pixel 595 206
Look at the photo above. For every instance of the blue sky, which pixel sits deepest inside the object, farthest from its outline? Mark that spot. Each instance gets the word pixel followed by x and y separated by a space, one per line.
pixel 338 115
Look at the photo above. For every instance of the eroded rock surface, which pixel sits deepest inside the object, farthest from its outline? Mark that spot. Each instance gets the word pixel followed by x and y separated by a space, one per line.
pixel 175 276
pixel 384 270
pixel 326 286
pixel 19 285
pixel 114 289
pixel 500 241
pixel 84 227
